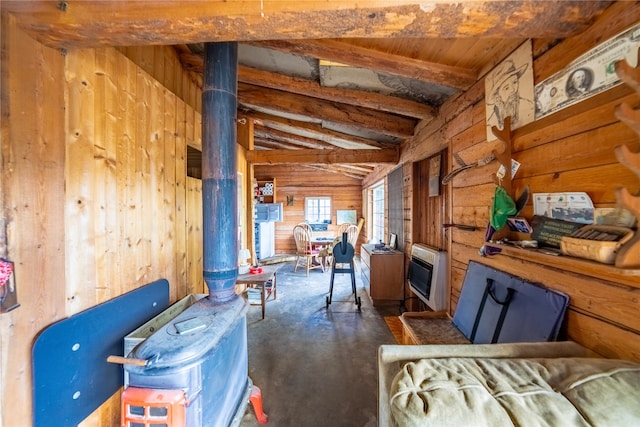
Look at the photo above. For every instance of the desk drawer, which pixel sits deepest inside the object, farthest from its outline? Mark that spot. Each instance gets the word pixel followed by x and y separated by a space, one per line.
pixel 366 274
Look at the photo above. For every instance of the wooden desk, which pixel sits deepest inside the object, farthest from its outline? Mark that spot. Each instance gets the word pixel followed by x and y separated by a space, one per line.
pixel 259 281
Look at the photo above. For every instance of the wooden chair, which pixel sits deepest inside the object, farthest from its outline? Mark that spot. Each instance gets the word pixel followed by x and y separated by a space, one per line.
pixel 352 237
pixel 307 227
pixel 342 228
pixel 304 250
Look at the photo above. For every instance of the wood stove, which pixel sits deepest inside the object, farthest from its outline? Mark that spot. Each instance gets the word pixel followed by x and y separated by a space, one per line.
pixel 194 371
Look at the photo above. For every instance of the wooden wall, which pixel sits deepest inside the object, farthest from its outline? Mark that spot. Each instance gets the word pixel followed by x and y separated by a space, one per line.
pixel 571 150
pixel 93 189
pixel 33 159
pixel 95 195
pixel 301 182
pixel 162 63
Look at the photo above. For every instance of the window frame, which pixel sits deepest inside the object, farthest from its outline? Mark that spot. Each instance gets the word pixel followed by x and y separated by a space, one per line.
pixel 322 214
pixel 377 212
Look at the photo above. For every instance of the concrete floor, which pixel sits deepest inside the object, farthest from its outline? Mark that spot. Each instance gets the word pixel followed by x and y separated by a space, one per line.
pixel 316 366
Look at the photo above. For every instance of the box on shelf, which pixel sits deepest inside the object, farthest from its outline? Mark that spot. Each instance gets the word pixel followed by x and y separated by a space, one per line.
pixel 587 247
pixel 147 329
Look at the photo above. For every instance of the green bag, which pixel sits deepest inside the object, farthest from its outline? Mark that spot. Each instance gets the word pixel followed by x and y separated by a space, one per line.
pixel 503 207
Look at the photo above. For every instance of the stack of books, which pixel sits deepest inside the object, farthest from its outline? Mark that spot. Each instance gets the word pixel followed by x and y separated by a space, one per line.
pixel 253 296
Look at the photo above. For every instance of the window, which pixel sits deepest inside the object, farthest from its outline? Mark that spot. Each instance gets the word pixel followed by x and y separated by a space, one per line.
pixel 317 210
pixel 377 213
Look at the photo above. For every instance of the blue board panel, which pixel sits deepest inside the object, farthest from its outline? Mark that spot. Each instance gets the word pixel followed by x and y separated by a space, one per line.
pixel 71 375
pixel 533 314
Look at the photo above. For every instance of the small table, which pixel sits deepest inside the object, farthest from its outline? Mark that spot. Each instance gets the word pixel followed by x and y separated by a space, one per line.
pixel 259 281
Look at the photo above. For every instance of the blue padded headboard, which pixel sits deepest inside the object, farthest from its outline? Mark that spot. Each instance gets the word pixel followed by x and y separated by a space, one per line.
pixel 71 375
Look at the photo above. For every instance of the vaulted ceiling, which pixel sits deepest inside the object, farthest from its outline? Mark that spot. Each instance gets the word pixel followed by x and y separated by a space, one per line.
pixel 337 85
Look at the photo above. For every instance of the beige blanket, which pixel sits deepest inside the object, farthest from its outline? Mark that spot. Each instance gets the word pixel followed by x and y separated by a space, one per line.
pixel 520 392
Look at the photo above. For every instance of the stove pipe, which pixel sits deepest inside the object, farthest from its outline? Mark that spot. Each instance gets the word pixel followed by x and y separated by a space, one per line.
pixel 219 169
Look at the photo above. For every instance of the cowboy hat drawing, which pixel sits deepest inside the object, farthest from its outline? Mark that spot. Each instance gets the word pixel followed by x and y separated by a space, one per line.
pixel 504 72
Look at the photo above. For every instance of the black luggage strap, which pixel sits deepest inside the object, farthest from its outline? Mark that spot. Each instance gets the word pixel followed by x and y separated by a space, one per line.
pixel 488 291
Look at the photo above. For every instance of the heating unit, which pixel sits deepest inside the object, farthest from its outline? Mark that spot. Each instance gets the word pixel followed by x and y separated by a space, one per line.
pixel 193 372
pixel 428 275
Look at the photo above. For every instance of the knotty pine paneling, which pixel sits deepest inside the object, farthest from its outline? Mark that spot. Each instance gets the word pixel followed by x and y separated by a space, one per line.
pixel 571 150
pixel 195 256
pixel 162 63
pixel 80 181
pixel 182 220
pixel 575 120
pixel 139 144
pixel 94 189
pixel 300 182
pixel 32 141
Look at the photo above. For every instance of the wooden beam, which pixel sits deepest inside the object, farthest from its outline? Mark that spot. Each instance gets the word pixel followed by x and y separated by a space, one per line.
pixel 338 169
pixel 288 138
pixel 316 131
pixel 67 24
pixel 359 98
pixel 270 144
pixel 349 54
pixel 273 157
pixel 347 115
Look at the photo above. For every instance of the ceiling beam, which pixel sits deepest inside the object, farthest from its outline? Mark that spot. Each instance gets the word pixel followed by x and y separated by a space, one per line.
pixel 287 138
pixel 359 98
pixel 339 169
pixel 274 157
pixel 357 56
pixel 315 131
pixel 270 144
pixel 71 24
pixel 346 115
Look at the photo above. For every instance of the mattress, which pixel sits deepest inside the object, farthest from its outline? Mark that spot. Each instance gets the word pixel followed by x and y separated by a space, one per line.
pixel 393 358
pixel 518 392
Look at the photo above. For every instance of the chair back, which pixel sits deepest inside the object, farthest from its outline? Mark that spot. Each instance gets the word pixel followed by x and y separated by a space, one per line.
pixel 302 237
pixel 342 228
pixel 352 234
pixel 307 227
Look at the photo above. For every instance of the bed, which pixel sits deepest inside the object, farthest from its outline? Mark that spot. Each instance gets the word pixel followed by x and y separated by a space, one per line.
pixel 519 384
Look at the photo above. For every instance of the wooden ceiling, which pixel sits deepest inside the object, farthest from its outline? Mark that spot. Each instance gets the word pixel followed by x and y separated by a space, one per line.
pixel 337 85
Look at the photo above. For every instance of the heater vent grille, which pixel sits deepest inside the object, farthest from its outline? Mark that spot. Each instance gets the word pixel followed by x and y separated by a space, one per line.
pixel 145 407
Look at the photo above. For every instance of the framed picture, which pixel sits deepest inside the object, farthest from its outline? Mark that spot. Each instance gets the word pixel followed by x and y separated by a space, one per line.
pixel 393 240
pixel 346 215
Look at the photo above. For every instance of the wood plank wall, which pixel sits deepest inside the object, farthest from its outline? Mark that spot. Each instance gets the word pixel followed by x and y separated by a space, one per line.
pixel 571 150
pixel 121 179
pixel 300 182
pixel 33 158
pixel 163 64
pixel 94 189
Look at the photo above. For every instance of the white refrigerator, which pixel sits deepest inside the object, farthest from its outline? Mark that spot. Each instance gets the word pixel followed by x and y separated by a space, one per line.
pixel 265 239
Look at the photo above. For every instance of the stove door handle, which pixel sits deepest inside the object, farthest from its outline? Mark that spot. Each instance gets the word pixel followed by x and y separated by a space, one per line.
pixel 126 361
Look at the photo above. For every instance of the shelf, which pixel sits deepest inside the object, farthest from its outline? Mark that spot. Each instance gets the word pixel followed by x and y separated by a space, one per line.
pixel 270 197
pixel 630 277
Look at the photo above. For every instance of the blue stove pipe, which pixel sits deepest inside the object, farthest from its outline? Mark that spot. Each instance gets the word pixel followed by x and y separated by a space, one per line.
pixel 219 169
pixel 203 351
